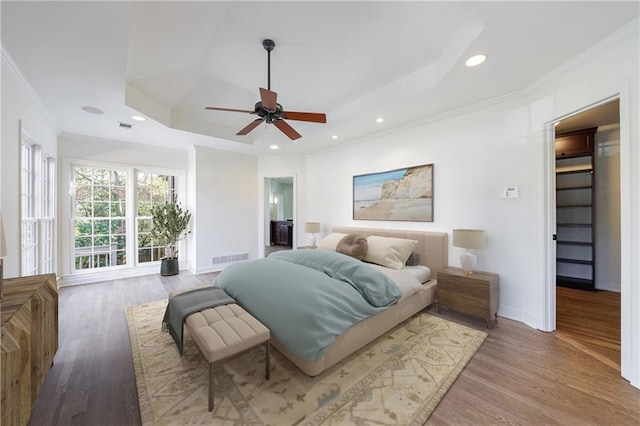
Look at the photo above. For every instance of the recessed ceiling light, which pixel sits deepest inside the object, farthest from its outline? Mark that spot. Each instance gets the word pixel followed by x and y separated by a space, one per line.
pixel 379 120
pixel 92 110
pixel 274 147
pixel 138 117
pixel 475 60
pixel 334 137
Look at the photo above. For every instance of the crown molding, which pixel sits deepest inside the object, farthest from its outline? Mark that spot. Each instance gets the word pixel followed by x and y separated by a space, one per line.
pixel 10 67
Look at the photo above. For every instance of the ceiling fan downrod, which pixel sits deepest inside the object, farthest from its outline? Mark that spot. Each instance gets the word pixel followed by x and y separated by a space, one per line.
pixel 268 45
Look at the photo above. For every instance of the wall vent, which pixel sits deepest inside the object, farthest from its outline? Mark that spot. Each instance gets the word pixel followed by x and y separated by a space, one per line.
pixel 229 258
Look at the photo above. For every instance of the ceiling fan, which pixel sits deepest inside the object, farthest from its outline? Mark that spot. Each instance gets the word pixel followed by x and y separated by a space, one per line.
pixel 270 111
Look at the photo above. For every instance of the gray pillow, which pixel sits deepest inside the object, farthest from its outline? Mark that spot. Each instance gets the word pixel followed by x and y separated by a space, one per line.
pixel 353 245
pixel 414 259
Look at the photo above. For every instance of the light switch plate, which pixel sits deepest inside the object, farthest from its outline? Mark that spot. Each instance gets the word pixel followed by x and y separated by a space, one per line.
pixel 509 192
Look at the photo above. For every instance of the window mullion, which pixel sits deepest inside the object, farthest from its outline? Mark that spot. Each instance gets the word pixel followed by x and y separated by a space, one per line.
pixel 132 202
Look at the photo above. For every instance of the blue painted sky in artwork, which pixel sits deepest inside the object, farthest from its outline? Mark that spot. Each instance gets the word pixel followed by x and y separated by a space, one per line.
pixel 368 187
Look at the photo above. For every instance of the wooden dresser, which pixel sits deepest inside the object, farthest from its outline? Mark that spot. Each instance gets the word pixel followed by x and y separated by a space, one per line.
pixel 29 342
pixel 282 233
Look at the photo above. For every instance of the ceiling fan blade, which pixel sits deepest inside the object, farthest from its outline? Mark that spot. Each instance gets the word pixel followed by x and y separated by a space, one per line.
pixel 313 117
pixel 250 126
pixel 269 99
pixel 287 130
pixel 230 109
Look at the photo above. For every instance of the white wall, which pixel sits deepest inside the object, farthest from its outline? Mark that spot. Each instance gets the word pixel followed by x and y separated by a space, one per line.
pixel 21 111
pixel 226 206
pixel 503 144
pixel 474 156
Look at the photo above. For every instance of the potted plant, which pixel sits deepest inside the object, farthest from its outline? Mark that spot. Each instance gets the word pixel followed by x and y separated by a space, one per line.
pixel 169 227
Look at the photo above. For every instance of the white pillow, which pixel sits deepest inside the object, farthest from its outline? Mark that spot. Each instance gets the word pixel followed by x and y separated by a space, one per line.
pixel 330 242
pixel 389 252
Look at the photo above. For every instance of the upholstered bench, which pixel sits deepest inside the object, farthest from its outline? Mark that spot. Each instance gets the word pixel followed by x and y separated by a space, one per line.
pixel 224 331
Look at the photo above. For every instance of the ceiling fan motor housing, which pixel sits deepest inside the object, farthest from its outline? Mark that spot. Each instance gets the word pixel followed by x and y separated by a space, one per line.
pixel 268 44
pixel 269 116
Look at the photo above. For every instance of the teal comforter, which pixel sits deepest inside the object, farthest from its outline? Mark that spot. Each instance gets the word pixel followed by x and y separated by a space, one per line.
pixel 308 297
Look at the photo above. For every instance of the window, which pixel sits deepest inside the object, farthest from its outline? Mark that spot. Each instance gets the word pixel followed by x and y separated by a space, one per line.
pixel 29 221
pixel 111 211
pixel 38 209
pixel 99 218
pixel 47 217
pixel 153 189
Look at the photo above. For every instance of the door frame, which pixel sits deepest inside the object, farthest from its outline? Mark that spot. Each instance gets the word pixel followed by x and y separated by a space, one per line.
pixel 549 297
pixel 263 210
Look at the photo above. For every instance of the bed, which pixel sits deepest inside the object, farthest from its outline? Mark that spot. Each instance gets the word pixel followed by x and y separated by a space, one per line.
pixel 431 248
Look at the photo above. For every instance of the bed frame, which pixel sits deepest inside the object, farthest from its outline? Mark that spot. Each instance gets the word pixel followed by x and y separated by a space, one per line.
pixel 433 249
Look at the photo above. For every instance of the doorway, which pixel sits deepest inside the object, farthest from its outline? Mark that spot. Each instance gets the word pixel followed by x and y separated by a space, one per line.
pixel 279 209
pixel 591 319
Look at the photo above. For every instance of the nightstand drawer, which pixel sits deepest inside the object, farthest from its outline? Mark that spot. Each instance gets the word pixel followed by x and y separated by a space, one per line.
pixel 476 294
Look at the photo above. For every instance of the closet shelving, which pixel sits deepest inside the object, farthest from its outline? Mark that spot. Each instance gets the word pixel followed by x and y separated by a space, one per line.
pixel 575 209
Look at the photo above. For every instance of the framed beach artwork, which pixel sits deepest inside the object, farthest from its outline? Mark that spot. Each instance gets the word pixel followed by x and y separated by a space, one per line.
pixel 401 194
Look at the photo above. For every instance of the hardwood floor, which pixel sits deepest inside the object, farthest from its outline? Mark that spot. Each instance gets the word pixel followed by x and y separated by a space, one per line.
pixel 519 375
pixel 92 380
pixel 590 320
pixel 528 377
pixel 271 249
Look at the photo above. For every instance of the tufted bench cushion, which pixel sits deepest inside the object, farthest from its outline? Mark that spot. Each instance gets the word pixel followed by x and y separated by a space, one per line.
pixel 224 331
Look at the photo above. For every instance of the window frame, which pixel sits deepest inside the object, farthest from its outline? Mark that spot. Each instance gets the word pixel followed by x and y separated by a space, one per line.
pixel 47 216
pixel 173 190
pixel 37 208
pixel 68 255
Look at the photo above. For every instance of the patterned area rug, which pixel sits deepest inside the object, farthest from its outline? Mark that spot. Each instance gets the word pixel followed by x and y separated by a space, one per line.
pixel 396 380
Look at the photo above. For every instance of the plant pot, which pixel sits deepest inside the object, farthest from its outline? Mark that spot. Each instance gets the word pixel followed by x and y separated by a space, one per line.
pixel 169 267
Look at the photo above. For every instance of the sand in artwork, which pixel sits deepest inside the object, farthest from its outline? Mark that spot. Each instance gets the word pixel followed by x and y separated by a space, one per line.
pixel 417 209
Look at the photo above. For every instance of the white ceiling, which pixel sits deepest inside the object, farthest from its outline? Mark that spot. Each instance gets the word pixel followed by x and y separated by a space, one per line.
pixel 354 61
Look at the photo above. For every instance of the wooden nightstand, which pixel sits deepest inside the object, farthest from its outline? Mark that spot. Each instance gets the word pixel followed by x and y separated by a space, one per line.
pixel 476 294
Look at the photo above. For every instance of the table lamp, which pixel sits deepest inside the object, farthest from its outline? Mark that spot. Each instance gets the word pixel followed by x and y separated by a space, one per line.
pixel 468 239
pixel 312 228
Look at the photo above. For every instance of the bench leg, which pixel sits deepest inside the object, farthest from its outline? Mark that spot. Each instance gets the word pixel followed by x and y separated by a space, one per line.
pixel 210 386
pixel 267 360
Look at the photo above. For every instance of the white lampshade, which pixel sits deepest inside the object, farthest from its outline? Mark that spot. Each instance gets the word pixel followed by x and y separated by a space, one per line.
pixel 3 241
pixel 468 238
pixel 312 227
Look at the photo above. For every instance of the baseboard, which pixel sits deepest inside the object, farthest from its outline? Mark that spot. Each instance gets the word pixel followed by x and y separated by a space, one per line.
pixel 97 276
pixel 520 316
pixel 209 269
pixel 609 287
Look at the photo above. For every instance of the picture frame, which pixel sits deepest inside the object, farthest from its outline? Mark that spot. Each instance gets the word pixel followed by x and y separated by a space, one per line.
pixel 404 194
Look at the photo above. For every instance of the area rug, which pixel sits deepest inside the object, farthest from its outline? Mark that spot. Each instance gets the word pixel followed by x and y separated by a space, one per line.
pixel 397 379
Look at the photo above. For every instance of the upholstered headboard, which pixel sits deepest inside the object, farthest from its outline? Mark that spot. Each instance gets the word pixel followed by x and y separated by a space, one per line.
pixel 433 247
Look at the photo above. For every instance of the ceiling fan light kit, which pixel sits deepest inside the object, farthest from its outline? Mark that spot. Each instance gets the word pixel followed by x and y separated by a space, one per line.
pixel 270 111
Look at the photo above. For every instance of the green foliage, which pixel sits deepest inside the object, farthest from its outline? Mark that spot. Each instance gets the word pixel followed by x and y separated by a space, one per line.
pixel 170 226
